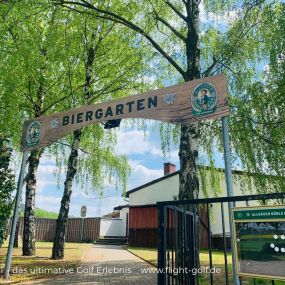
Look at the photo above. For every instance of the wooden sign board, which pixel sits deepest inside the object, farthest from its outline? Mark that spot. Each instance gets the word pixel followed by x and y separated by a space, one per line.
pixel 259 235
pixel 183 103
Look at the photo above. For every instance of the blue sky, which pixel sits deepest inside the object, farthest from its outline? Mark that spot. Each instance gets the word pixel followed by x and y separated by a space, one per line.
pixel 144 156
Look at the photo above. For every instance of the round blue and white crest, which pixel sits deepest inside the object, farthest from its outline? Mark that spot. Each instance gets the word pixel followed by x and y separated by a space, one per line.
pixel 204 99
pixel 33 133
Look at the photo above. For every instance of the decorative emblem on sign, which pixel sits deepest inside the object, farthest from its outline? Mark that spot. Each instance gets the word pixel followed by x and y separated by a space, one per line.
pixel 54 123
pixel 33 133
pixel 239 215
pixel 169 99
pixel 204 99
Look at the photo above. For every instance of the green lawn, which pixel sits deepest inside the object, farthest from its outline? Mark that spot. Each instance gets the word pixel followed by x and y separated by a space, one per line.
pixel 150 255
pixel 259 249
pixel 74 252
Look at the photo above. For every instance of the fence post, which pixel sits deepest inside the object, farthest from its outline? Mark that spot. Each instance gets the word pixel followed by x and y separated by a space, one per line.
pixel 161 253
pixel 81 229
pixel 15 215
pixel 229 182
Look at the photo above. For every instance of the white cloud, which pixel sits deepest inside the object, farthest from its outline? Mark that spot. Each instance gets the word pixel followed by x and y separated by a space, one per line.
pixel 49 203
pixel 42 184
pixel 141 174
pixel 47 169
pixel 42 199
pixel 81 194
pixel 136 142
pixel 46 174
pixel 48 166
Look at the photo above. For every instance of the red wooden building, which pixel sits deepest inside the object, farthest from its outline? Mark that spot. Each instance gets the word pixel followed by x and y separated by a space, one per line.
pixel 143 223
pixel 142 214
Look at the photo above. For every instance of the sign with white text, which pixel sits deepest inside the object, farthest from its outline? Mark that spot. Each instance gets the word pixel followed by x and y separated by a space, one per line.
pixel 260 241
pixel 183 103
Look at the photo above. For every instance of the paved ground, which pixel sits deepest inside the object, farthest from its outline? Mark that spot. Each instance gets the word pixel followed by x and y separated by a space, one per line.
pixel 106 264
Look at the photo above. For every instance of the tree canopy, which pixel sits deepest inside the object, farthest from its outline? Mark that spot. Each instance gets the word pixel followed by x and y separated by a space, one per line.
pixel 241 38
pixel 236 37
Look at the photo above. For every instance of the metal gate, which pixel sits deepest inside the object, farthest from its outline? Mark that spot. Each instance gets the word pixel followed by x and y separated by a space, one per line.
pixel 176 239
pixel 176 252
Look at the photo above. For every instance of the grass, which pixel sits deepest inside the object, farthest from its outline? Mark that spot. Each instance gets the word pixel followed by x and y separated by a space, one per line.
pixel 259 249
pixel 23 267
pixel 150 255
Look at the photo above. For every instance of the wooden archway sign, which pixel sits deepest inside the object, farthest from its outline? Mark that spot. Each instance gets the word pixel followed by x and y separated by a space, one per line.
pixel 187 102
pixel 183 103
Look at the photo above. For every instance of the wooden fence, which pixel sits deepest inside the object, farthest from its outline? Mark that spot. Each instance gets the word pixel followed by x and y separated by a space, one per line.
pixel 45 229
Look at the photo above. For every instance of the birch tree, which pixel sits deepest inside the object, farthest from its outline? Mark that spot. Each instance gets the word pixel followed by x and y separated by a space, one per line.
pixel 33 82
pixel 109 67
pixel 173 29
pixel 191 49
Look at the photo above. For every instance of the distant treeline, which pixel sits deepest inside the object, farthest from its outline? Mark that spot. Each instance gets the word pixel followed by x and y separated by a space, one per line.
pixel 40 213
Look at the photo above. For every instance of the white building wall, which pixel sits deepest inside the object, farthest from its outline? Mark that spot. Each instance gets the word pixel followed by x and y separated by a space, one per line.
pixel 123 216
pixel 167 189
pixel 164 190
pixel 112 227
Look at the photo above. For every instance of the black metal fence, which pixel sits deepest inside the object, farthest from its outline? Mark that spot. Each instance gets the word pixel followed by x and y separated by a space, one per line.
pixel 176 245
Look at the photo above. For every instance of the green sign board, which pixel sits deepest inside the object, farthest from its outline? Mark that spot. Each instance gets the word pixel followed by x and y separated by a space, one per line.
pixel 259 234
pixel 259 214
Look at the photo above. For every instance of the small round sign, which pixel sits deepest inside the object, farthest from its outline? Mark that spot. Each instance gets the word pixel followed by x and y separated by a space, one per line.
pixel 33 133
pixel 204 99
pixel 83 211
